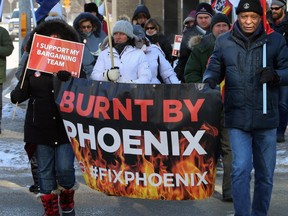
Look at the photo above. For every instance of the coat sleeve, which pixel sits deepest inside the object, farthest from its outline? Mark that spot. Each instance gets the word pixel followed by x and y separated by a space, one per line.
pixel 282 61
pixel 215 69
pixel 6 44
pixel 99 68
pixel 193 71
pixel 167 73
pixel 21 91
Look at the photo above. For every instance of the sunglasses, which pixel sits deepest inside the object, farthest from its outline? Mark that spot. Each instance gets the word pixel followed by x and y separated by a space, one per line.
pixel 276 8
pixel 150 28
pixel 84 27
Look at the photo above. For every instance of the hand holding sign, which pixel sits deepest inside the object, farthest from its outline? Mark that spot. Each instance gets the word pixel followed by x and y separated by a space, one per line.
pixel 63 75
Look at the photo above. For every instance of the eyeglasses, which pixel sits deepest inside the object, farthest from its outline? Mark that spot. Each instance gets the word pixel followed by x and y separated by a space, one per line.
pixel 276 8
pixel 84 27
pixel 150 28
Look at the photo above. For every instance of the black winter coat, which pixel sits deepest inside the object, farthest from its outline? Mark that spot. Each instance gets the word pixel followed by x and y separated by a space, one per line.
pixel 43 124
pixel 185 50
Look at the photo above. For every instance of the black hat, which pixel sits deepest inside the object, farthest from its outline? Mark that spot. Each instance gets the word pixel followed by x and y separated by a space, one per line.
pixel 90 7
pixel 219 17
pixel 204 8
pixel 249 6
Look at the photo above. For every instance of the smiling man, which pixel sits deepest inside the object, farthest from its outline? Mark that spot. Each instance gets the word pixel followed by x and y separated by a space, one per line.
pixel 238 57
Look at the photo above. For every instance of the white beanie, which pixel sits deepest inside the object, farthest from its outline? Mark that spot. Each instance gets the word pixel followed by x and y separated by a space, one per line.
pixel 124 27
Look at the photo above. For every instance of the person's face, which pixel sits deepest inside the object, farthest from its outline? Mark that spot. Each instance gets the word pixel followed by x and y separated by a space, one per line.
pixel 277 12
pixel 141 19
pixel 120 37
pixel 220 28
pixel 203 20
pixel 86 26
pixel 150 28
pixel 190 23
pixel 249 21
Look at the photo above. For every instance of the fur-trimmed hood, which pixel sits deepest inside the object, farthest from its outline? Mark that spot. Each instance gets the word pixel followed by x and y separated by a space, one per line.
pixel 202 42
pixel 94 20
pixel 194 40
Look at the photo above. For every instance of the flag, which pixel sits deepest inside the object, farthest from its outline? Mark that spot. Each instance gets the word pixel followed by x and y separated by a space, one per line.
pixel 44 9
pixel 266 25
pixel 222 6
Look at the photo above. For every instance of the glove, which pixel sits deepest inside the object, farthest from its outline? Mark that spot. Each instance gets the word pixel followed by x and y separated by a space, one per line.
pixel 212 83
pixel 63 75
pixel 268 75
pixel 112 75
pixel 18 96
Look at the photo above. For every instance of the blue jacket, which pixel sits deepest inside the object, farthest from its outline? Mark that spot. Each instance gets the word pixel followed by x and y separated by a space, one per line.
pixel 92 42
pixel 237 59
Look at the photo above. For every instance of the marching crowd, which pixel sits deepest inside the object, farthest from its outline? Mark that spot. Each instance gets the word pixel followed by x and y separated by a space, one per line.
pixel 213 50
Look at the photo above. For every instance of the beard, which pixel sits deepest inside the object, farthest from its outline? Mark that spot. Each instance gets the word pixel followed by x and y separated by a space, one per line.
pixel 277 15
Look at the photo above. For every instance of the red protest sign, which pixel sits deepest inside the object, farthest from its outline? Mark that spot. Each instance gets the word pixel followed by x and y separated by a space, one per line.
pixel 176 46
pixel 50 55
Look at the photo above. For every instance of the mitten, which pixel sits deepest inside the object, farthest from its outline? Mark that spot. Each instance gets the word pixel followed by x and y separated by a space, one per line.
pixel 212 83
pixel 112 74
pixel 18 96
pixel 63 75
pixel 268 75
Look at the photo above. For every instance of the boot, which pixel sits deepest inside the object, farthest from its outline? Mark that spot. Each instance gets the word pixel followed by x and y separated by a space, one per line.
pixel 50 203
pixel 67 202
pixel 34 170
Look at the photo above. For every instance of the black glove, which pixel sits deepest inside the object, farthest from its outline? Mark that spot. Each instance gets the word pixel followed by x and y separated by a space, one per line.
pixel 212 83
pixel 18 96
pixel 268 75
pixel 63 75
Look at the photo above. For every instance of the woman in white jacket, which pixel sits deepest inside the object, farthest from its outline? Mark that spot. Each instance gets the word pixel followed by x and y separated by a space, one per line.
pixel 130 63
pixel 161 69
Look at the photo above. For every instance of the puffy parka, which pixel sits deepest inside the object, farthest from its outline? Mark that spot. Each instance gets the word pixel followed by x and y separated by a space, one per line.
pixel 237 59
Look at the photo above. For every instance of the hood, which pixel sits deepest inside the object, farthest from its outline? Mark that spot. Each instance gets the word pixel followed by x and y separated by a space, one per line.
pixel 54 26
pixel 92 18
pixel 141 9
pixel 194 40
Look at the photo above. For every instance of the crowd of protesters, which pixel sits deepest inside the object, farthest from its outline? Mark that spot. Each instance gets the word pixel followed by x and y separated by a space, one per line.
pixel 213 50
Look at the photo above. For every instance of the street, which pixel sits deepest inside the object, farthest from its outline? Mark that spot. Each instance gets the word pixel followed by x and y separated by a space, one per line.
pixel 16 200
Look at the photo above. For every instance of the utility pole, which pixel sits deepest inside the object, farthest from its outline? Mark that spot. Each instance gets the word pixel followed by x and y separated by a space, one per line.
pixel 24 21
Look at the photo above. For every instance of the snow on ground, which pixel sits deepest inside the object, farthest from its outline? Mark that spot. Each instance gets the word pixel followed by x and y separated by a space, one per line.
pixel 13 155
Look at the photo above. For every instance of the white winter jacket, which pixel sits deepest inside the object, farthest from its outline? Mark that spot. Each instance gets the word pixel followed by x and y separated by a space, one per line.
pixel 132 63
pixel 159 64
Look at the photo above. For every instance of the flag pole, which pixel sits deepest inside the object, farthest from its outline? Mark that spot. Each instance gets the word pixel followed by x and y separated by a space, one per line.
pixel 33 13
pixel 109 33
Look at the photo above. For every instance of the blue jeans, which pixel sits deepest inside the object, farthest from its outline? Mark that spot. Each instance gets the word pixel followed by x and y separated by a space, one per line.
pixel 256 149
pixel 55 165
pixel 283 110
